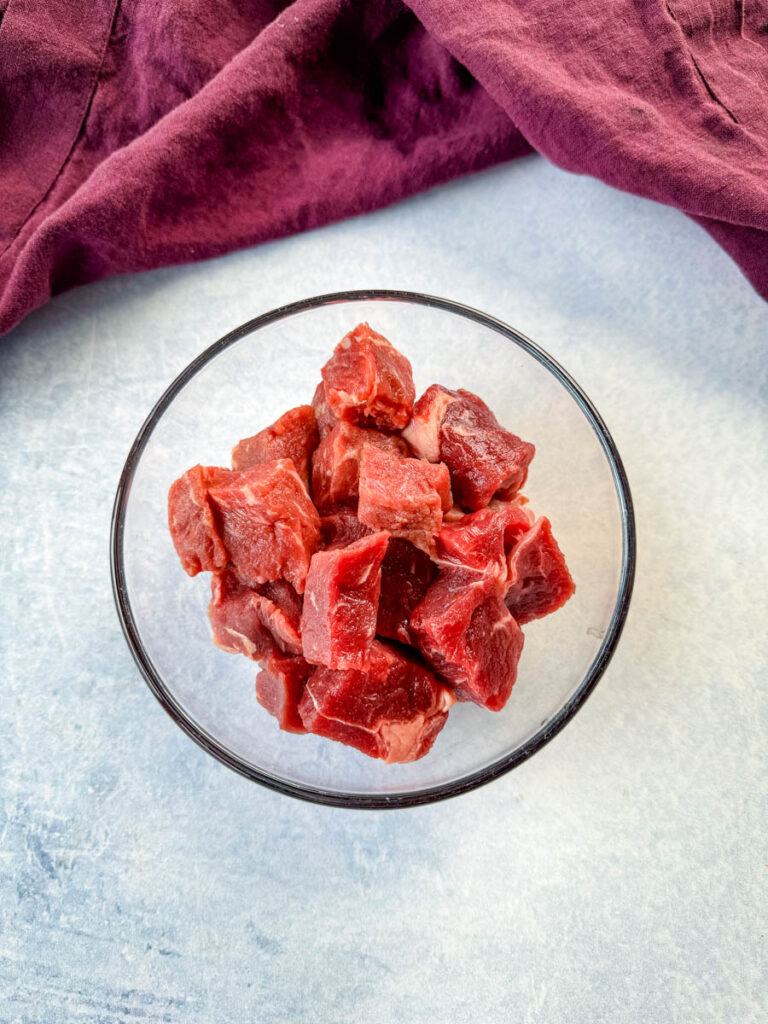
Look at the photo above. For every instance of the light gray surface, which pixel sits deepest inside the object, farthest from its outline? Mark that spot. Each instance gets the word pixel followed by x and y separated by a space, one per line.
pixel 618 876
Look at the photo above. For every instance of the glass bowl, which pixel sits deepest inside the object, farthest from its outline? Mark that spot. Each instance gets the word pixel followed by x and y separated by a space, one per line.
pixel 244 382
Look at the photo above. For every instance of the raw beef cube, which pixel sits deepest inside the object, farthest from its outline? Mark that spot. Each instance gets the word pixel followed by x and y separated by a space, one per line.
pixel 294 436
pixel 539 580
pixel 392 709
pixel 191 520
pixel 268 523
pixel 280 687
pixel 465 632
pixel 482 456
pixel 340 526
pixel 423 431
pixel 406 575
pixel 338 621
pixel 279 607
pixel 336 463
pixel 483 540
pixel 254 622
pixel 458 428
pixel 367 381
pixel 325 416
pixel 405 496
pixel 238 626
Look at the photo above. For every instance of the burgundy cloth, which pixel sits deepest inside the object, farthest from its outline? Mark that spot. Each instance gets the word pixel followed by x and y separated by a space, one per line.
pixel 140 133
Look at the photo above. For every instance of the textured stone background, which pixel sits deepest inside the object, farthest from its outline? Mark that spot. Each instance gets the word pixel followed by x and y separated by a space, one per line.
pixel 618 876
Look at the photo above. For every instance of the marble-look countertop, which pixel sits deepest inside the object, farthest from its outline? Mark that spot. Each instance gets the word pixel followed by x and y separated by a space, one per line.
pixel 619 875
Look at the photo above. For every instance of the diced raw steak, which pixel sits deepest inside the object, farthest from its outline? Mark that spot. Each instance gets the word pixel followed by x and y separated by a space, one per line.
pixel 405 496
pixel 340 526
pixel 268 524
pixel 423 431
pixel 336 463
pixel 483 540
pixel 482 456
pixel 325 416
pixel 464 630
pixel 280 687
pixel 294 436
pixel 406 575
pixel 238 626
pixel 460 430
pixel 392 709
pixel 191 520
pixel 251 621
pixel 539 580
pixel 367 381
pixel 279 607
pixel 338 621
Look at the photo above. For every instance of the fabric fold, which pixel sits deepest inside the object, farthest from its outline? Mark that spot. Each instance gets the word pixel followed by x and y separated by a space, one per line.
pixel 137 135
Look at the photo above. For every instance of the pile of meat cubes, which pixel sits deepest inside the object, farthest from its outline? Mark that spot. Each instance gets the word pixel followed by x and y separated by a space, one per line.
pixel 373 554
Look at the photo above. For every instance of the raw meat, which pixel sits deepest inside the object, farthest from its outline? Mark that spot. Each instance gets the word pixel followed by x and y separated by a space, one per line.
pixel 254 622
pixel 294 436
pixel 393 709
pixel 484 540
pixel 483 457
pixel 405 496
pixel 336 463
pixel 406 575
pixel 466 633
pixel 191 521
pixel 458 428
pixel 268 524
pixel 279 607
pixel 280 687
pixel 423 431
pixel 325 416
pixel 340 526
pixel 394 585
pixel 454 514
pixel 367 381
pixel 338 621
pixel 539 580
pixel 238 626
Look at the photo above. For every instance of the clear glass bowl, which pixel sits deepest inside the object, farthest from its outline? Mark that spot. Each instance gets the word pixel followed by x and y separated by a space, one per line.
pixel 245 381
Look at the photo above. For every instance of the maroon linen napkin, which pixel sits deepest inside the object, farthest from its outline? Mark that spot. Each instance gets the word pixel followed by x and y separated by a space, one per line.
pixel 137 134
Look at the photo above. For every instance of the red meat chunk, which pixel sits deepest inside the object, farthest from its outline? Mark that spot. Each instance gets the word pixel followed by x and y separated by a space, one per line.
pixel 483 540
pixel 423 431
pixel 192 523
pixel 460 430
pixel 279 607
pixel 483 457
pixel 405 496
pixel 539 580
pixel 238 625
pixel 392 709
pixel 254 622
pixel 280 687
pixel 268 524
pixel 336 463
pixel 406 575
pixel 294 436
pixel 465 631
pixel 367 381
pixel 325 416
pixel 340 526
pixel 338 621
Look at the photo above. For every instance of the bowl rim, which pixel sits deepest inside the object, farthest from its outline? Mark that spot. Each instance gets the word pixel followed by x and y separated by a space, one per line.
pixel 429 794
